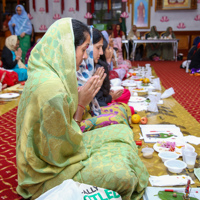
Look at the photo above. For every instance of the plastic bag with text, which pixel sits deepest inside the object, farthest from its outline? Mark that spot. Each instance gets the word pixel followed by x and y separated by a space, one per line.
pixel 71 190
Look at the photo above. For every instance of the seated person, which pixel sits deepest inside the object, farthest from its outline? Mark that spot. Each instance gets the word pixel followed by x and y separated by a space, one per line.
pixel 193 49
pixel 117 32
pixel 94 115
pixel 50 145
pixel 11 57
pixel 153 49
pixel 111 58
pixel 167 48
pixel 195 60
pixel 121 62
pixel 134 34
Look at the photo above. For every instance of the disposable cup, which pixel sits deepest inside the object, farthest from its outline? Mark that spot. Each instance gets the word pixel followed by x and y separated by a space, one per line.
pixel 139 84
pixel 186 149
pixel 190 158
pixel 147 65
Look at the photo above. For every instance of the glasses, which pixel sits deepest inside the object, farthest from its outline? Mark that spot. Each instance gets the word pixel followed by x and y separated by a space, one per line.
pixel 19 10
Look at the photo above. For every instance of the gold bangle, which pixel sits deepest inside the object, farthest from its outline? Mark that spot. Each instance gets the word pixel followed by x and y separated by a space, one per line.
pixel 78 122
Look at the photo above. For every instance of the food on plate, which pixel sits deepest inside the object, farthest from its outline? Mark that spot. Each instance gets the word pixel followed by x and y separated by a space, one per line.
pixel 167 144
pixel 139 89
pixel 146 80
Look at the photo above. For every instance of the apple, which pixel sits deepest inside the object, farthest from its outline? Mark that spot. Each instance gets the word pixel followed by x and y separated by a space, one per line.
pixel 143 120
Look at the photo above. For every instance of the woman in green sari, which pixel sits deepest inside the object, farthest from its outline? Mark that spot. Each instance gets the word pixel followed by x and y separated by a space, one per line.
pixel 153 49
pixel 50 145
pixel 167 49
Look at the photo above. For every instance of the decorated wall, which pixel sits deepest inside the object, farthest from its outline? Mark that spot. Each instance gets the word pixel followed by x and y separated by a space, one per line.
pixel 180 20
pixel 41 19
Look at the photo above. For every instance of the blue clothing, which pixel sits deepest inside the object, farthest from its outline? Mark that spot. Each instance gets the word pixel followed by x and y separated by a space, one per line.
pixel 22 23
pixel 22 73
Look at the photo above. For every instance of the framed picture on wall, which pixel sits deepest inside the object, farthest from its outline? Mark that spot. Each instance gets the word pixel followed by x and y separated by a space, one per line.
pixel 141 13
pixel 175 4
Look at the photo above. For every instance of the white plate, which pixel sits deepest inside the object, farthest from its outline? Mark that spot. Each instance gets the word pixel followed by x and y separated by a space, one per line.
pixel 116 88
pixel 137 99
pixel 177 150
pixel 127 84
pixel 139 90
pixel 9 95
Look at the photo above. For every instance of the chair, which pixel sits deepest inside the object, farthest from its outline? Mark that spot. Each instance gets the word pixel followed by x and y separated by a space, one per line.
pixel 161 35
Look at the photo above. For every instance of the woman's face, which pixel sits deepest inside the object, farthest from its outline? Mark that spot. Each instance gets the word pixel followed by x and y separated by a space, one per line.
pixel 118 27
pixel 170 30
pixel 108 52
pixel 110 41
pixel 81 51
pixel 97 50
pixel 19 11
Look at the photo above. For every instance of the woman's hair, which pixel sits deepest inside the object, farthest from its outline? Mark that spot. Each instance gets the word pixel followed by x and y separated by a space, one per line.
pixel 105 45
pixel 97 35
pixel 80 32
pixel 102 61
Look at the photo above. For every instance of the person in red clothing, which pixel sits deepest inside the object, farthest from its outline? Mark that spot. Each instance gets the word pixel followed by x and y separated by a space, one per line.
pixel 117 32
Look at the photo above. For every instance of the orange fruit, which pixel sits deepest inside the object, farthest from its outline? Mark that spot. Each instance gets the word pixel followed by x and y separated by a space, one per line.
pixel 146 80
pixel 134 74
pixel 141 79
pixel 135 119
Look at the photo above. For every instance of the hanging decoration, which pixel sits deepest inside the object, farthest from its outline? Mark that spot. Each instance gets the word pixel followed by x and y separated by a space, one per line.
pixel 47 6
pixel 92 6
pixel 4 5
pixel 109 5
pixel 128 4
pixel 124 15
pixel 62 6
pixel 56 1
pixel 88 15
pixel 18 2
pixel 34 8
pixel 77 5
pixel 88 1
pixel 124 0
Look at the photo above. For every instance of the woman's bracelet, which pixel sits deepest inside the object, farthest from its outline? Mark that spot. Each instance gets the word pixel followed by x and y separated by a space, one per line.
pixel 81 106
pixel 78 122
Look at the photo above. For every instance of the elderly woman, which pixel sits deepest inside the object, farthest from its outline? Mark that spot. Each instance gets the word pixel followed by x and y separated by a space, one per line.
pixel 167 48
pixel 50 145
pixel 11 57
pixel 20 25
pixel 153 49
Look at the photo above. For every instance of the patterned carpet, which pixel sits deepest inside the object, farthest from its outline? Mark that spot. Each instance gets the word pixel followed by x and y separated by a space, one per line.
pixel 187 88
pixel 8 169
